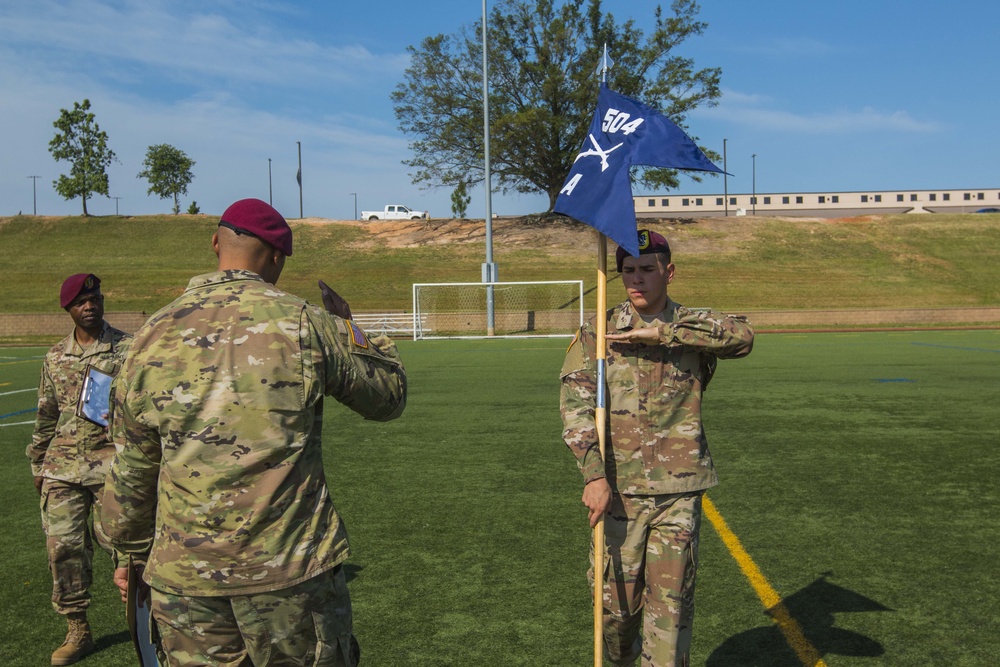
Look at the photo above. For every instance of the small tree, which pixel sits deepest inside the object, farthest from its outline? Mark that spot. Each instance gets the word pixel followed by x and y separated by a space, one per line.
pixel 460 200
pixel 193 208
pixel 168 171
pixel 82 143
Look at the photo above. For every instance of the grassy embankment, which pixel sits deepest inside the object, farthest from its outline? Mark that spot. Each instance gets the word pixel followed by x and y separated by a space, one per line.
pixel 735 264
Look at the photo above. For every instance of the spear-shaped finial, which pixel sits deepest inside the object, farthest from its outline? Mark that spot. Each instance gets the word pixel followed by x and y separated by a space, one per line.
pixel 606 64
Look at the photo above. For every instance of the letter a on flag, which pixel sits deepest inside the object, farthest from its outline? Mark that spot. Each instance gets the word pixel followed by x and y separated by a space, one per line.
pixel 624 132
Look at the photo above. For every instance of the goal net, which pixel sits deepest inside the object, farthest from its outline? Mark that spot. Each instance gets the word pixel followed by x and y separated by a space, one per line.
pixel 520 309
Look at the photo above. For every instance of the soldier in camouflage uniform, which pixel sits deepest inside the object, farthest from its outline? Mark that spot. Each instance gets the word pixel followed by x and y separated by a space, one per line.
pixel 218 483
pixel 660 358
pixel 69 457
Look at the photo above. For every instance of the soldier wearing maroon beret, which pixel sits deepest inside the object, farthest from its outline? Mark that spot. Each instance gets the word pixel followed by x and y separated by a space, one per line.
pixel 660 358
pixel 69 456
pixel 218 485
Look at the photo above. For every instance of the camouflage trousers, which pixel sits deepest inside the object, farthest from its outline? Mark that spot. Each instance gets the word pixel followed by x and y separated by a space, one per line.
pixel 650 566
pixel 307 624
pixel 68 510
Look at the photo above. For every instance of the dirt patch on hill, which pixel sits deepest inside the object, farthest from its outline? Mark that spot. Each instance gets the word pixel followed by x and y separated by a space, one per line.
pixel 555 233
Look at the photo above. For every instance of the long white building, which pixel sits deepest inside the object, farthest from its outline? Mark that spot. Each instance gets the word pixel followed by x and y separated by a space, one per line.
pixel 819 204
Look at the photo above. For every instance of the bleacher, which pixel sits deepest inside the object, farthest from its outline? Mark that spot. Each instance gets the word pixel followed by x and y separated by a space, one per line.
pixel 396 324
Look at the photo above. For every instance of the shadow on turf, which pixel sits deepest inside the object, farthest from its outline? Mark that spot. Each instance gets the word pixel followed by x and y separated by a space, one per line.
pixel 813 608
pixel 351 571
pixel 107 641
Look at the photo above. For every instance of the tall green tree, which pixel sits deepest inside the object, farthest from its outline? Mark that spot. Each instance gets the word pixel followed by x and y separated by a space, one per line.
pixel 82 143
pixel 168 171
pixel 543 57
pixel 460 200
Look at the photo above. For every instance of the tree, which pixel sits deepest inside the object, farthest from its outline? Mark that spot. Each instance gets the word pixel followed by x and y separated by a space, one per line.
pixel 82 143
pixel 168 171
pixel 460 200
pixel 543 91
pixel 194 209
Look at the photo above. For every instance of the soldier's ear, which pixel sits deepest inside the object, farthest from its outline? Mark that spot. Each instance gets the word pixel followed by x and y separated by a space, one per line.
pixel 215 243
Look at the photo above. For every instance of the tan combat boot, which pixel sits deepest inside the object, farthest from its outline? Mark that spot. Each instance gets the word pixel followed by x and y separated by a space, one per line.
pixel 78 643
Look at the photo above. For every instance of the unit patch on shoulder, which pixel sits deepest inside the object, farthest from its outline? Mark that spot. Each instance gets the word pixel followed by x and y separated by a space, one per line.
pixel 357 335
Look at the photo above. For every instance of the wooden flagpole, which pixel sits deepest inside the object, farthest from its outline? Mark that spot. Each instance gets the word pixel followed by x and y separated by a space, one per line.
pixel 600 419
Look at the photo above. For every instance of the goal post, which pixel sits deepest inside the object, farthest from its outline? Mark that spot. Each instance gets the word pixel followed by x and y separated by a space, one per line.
pixel 530 309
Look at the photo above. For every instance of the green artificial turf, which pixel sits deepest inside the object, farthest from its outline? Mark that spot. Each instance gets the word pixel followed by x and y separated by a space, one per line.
pixel 859 470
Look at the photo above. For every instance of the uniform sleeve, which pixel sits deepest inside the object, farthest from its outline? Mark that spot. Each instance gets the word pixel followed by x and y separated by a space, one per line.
pixel 128 512
pixel 365 374
pixel 577 405
pixel 724 336
pixel 45 422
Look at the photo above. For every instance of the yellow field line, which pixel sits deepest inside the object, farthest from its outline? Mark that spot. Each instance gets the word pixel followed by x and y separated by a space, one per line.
pixel 806 652
pixel 21 361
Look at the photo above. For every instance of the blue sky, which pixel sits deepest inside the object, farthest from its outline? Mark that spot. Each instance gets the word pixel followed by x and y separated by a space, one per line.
pixel 829 96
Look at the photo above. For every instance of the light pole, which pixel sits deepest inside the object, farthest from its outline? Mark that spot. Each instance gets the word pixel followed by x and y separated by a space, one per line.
pixel 298 177
pixel 34 196
pixel 116 205
pixel 355 195
pixel 725 178
pixel 753 200
pixel 270 190
pixel 489 268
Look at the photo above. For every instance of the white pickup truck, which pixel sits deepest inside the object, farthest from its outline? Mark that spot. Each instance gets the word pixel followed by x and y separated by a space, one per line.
pixel 394 212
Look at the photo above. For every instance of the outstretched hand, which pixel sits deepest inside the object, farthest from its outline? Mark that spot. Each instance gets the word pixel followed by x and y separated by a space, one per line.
pixel 333 302
pixel 644 336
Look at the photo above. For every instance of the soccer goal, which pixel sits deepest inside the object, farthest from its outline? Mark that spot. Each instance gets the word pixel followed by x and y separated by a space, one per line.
pixel 545 309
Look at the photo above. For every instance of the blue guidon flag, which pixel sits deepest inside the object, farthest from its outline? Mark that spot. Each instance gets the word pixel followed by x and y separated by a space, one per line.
pixel 624 132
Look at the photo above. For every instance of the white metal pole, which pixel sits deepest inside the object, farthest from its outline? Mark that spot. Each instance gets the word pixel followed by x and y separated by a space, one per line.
pixel 489 275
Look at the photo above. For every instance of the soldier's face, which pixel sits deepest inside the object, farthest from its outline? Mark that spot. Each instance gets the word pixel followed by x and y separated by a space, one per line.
pixel 645 279
pixel 87 310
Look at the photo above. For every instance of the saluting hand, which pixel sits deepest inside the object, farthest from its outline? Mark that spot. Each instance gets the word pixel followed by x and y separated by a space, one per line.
pixel 333 302
pixel 644 336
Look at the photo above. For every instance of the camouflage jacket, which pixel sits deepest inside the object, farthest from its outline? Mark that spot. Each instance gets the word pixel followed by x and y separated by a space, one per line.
pixel 217 422
pixel 65 446
pixel 655 440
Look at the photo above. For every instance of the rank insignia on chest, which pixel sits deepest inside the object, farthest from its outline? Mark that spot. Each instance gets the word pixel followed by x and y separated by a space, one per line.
pixel 358 336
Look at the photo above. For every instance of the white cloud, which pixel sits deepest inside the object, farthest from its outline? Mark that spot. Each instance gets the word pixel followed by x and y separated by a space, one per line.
pixel 758 112
pixel 182 45
pixel 789 47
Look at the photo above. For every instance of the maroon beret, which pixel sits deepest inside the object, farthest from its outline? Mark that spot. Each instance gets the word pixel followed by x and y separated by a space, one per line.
pixel 649 242
pixel 258 218
pixel 77 284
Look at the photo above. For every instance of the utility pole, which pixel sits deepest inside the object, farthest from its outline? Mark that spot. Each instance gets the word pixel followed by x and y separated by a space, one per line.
pixel 489 268
pixel 355 195
pixel 116 205
pixel 298 177
pixel 270 190
pixel 725 178
pixel 753 200
pixel 34 196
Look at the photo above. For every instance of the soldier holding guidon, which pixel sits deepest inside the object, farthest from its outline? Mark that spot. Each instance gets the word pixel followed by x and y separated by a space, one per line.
pixel 660 358
pixel 218 485
pixel 70 454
